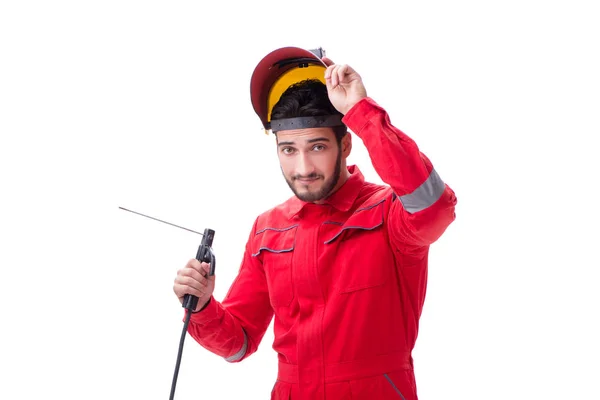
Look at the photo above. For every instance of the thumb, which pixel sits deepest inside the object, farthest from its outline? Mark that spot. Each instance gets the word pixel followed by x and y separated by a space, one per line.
pixel 206 268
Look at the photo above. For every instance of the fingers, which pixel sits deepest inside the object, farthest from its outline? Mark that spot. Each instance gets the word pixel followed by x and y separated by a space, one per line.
pixel 181 289
pixel 338 75
pixel 341 74
pixel 192 279
pixel 191 275
pixel 201 267
pixel 331 76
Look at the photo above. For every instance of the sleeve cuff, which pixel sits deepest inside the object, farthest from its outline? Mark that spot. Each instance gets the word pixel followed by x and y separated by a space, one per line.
pixel 210 312
pixel 360 114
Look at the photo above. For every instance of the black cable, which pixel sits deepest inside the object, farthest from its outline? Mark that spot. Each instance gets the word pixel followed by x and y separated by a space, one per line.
pixel 204 254
pixel 179 353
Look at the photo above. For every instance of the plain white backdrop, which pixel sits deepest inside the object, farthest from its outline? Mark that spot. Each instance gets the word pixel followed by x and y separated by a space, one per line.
pixel 145 105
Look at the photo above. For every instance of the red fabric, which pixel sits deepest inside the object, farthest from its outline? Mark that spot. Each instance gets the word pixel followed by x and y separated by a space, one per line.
pixel 345 280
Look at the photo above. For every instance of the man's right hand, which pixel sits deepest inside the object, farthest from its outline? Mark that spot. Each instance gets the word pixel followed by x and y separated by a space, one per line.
pixel 193 279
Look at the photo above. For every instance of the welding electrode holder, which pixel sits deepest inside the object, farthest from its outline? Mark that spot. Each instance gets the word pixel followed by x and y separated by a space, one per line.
pixel 204 254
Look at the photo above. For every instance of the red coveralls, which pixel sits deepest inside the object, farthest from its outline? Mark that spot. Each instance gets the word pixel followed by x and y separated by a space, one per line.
pixel 344 280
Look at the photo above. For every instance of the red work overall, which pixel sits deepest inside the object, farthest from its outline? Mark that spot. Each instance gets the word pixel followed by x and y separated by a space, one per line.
pixel 345 280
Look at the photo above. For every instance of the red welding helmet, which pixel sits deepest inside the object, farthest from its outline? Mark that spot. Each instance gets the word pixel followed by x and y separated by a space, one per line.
pixel 276 72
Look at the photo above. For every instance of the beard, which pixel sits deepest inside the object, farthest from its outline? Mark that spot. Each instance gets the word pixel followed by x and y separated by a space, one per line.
pixel 325 189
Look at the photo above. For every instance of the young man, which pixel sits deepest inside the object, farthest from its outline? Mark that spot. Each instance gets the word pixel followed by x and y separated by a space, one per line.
pixel 341 265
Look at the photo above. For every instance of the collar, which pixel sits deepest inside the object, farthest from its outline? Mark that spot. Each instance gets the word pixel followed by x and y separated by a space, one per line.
pixel 342 199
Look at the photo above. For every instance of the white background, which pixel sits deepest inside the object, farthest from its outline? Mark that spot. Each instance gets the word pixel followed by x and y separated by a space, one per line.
pixel 145 105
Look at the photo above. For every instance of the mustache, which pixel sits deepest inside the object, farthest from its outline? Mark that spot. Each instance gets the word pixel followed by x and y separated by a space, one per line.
pixel 310 176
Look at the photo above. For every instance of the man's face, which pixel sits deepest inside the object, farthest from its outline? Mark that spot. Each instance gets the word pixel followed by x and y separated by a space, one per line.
pixel 311 162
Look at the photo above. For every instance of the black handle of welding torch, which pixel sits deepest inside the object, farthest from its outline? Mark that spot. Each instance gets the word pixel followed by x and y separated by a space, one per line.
pixel 204 254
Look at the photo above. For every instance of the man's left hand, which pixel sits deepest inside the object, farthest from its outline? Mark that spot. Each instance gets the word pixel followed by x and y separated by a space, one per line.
pixel 344 86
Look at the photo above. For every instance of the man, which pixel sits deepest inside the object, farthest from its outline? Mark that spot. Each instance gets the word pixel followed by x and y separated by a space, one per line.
pixel 341 265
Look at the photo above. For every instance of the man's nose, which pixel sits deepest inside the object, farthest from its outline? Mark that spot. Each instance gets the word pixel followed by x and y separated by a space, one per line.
pixel 304 167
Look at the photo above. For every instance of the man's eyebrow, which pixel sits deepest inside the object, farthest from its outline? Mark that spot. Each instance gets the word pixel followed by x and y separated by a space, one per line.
pixel 319 139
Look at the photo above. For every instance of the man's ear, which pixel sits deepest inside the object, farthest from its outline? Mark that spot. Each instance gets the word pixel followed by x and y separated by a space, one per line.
pixel 346 144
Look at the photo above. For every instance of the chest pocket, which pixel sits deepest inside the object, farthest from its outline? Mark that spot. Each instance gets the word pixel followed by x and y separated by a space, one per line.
pixel 365 258
pixel 275 248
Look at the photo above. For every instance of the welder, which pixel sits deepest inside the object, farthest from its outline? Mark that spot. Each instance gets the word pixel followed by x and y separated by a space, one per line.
pixel 342 265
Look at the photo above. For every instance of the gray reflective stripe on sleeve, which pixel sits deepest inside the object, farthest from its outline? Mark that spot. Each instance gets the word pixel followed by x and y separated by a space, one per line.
pixel 237 356
pixel 425 195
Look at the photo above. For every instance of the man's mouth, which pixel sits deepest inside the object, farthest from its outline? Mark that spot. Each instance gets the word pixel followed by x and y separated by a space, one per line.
pixel 306 180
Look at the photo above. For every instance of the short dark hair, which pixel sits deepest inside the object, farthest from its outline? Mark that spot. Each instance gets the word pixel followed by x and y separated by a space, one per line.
pixel 307 98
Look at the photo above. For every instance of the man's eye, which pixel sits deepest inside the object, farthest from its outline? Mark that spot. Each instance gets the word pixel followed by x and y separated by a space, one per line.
pixel 319 147
pixel 287 150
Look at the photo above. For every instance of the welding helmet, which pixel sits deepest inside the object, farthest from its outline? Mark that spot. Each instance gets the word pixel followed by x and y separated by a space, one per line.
pixel 275 73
